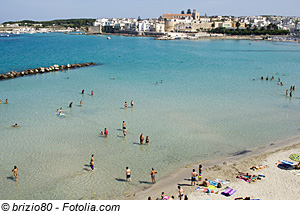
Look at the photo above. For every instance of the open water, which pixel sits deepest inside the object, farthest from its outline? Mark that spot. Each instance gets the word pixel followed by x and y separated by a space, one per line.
pixel 208 106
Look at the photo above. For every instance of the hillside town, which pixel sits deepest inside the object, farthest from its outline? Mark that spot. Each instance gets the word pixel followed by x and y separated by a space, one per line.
pixel 170 25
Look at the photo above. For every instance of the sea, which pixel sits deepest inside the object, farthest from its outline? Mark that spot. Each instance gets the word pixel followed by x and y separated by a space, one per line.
pixel 196 100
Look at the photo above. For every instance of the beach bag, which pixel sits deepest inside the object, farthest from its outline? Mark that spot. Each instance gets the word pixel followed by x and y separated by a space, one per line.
pixel 219 185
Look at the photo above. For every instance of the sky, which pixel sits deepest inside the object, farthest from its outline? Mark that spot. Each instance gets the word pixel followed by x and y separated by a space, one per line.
pixel 40 10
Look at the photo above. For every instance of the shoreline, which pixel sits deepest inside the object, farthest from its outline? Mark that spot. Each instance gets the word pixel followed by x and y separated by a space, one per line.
pixel 224 168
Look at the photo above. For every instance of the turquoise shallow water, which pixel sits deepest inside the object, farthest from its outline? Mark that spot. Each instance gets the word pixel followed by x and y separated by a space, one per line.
pixel 207 106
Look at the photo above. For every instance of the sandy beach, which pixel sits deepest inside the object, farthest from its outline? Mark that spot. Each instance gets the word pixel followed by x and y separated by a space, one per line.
pixel 278 183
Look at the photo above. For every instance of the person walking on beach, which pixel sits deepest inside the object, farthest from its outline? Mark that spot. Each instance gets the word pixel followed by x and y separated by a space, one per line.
pixel 142 138
pixel 200 173
pixel 128 174
pixel 194 177
pixel 15 171
pixel 152 173
pixel 92 163
pixel 180 193
pixel 105 132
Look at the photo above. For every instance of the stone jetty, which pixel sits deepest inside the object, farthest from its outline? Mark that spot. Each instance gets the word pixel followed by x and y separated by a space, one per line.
pixel 54 68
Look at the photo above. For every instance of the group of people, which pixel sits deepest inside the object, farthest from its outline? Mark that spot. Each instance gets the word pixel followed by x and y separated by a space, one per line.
pixel 292 88
pixel 6 101
pixel 142 139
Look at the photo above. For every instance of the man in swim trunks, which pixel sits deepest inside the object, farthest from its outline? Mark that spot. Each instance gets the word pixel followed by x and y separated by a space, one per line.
pixel 152 173
pixel 142 138
pixel 194 177
pixel 125 105
pixel 128 174
pixel 180 192
pixel 15 171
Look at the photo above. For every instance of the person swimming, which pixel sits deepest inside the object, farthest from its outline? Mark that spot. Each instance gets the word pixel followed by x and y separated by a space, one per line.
pixel 15 125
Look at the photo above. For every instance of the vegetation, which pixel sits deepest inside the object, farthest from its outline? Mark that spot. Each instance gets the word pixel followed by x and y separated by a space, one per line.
pixel 189 11
pixel 250 31
pixel 73 23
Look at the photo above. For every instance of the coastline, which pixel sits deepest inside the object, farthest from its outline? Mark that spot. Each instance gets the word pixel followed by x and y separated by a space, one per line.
pixel 227 168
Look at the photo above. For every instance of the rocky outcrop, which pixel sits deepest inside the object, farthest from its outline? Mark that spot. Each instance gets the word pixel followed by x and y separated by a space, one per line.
pixel 39 70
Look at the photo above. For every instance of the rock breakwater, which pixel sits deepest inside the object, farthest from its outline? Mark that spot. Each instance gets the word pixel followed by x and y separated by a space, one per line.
pixel 40 70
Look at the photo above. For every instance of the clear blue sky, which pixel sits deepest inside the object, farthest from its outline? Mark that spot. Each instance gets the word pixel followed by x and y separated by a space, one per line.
pixel 13 10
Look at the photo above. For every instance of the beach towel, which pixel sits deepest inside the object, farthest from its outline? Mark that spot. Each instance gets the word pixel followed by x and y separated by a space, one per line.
pixel 222 181
pixel 259 167
pixel 211 187
pixel 213 183
pixel 295 172
pixel 228 192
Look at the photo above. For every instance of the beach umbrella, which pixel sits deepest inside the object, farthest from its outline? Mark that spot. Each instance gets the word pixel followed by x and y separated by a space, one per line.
pixel 295 157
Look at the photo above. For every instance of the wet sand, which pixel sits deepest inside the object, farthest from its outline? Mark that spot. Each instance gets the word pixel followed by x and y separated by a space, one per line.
pixel 278 184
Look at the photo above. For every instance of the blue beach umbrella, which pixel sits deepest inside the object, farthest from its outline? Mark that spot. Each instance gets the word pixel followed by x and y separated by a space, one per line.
pixel 295 157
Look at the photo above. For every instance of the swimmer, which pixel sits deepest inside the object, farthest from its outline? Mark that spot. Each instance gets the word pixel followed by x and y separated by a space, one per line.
pixel 161 81
pixel 125 105
pixel 141 138
pixel 59 113
pixel 101 133
pixel 130 103
pixel 81 102
pixel 152 173
pixel 92 93
pixel 105 132
pixel 6 101
pixel 147 140
pixel 156 82
pixel 15 125
pixel 70 105
pixel 128 174
pixel 15 171
pixel 60 109
pixel 82 92
pixel 286 92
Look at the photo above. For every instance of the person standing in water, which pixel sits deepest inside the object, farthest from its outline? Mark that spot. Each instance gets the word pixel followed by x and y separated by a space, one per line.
pixel 92 163
pixel 105 132
pixel 147 140
pixel 82 92
pixel 70 105
pixel 142 138
pixel 152 173
pixel 92 93
pixel 6 101
pixel 125 105
pixel 81 102
pixel 128 174
pixel 15 171
pixel 131 103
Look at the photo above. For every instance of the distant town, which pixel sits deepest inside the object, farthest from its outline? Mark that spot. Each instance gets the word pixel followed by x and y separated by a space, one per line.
pixel 186 24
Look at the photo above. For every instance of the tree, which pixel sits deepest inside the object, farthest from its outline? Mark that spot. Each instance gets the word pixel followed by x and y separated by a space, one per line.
pixel 182 12
pixel 238 24
pixel 189 11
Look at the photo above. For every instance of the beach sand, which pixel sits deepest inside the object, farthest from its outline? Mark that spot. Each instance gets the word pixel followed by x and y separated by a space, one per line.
pixel 278 184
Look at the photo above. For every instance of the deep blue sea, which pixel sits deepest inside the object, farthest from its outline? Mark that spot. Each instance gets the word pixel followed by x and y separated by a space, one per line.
pixel 211 104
